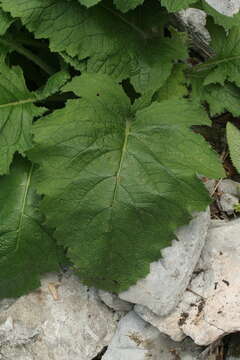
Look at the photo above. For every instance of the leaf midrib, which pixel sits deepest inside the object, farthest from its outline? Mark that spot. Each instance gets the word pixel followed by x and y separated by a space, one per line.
pixel 205 65
pixel 16 103
pixel 123 152
pixel 24 200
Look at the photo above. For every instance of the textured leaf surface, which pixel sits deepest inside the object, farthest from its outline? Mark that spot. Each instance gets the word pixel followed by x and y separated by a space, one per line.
pixel 175 87
pixel 16 115
pixel 26 249
pixel 17 111
pixel 233 138
pixel 176 5
pixel 89 3
pixel 98 36
pixel 226 64
pixel 222 99
pixel 125 5
pixel 5 22
pixel 219 98
pixel 115 189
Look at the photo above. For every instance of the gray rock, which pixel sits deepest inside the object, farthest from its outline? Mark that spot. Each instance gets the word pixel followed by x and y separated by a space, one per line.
pixel 228 186
pixel 225 7
pixel 60 321
pixel 137 340
pixel 113 301
pixel 210 306
pixel 164 286
pixel 228 203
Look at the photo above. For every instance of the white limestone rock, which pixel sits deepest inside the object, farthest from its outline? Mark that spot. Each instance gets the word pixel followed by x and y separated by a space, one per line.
pixel 164 286
pixel 210 306
pixel 113 301
pixel 228 203
pixel 61 320
pixel 228 186
pixel 137 340
pixel 225 7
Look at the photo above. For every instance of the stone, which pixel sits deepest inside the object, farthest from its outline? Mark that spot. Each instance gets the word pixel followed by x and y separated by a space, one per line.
pixel 228 186
pixel 137 340
pixel 225 7
pixel 164 286
pixel 61 320
pixel 228 203
pixel 209 308
pixel 113 301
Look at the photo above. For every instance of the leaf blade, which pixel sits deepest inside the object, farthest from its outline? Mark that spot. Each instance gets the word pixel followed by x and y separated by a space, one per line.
pixel 114 183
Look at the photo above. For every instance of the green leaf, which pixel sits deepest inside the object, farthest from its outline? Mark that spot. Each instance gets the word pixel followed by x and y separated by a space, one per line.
pixel 176 5
pixel 233 138
pixel 175 87
pixel 16 114
pixel 222 99
pixel 5 21
pixel 53 85
pixel 225 65
pixel 17 111
pixel 153 73
pixel 126 5
pixel 98 36
pixel 89 3
pixel 117 183
pixel 26 248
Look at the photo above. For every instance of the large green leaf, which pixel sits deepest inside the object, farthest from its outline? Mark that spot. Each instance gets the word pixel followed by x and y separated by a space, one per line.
pixel 26 248
pixel 17 111
pixel 117 183
pixel 121 45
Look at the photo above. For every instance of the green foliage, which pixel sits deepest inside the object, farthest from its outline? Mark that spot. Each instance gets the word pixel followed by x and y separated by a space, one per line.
pixel 108 172
pixel 27 249
pixel 233 138
pixel 97 150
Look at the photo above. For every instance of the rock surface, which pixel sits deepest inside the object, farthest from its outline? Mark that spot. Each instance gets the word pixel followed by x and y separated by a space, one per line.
pixel 225 7
pixel 210 305
pixel 63 320
pixel 164 286
pixel 137 340
pixel 113 301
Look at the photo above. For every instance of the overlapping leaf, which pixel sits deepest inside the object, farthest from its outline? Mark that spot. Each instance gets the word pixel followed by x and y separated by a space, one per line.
pixel 114 188
pixel 26 248
pixel 226 64
pixel 16 115
pixel 104 40
pixel 17 111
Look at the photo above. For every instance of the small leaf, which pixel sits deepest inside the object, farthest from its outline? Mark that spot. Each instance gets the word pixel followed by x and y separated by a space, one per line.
pixel 175 87
pixel 26 249
pixel 233 138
